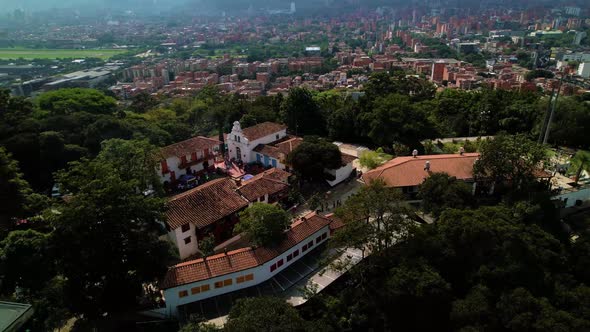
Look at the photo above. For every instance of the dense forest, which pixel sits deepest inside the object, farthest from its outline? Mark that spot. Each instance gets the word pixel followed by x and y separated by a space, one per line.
pixel 488 267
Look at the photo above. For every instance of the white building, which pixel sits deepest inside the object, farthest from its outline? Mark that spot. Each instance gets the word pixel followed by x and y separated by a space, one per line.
pixel 242 142
pixel 212 208
pixel 584 69
pixel 193 156
pixel 227 272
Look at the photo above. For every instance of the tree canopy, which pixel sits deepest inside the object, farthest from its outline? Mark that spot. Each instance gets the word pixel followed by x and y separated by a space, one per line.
pixel 440 191
pixel 313 156
pixel 264 224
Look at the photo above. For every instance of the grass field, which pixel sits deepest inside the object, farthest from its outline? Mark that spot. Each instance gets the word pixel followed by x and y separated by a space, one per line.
pixel 29 53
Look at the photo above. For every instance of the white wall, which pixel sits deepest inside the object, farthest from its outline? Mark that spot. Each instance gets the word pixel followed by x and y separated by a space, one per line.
pixel 236 139
pixel 572 197
pixel 341 174
pixel 261 273
pixel 177 237
pixel 174 162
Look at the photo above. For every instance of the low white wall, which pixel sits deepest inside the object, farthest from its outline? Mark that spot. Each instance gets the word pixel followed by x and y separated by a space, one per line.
pixel 340 174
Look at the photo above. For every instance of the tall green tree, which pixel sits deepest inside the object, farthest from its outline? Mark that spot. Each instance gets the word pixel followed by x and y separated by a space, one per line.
pixel 68 101
pixel 264 314
pixel 301 113
pixel 313 156
pixel 14 192
pixel 510 159
pixel 106 239
pixel 264 224
pixel 375 218
pixel 440 192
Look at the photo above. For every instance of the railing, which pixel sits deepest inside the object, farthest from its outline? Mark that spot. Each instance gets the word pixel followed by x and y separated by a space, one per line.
pixel 186 164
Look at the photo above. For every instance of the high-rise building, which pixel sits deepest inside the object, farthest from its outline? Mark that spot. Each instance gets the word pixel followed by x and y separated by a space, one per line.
pixel 293 9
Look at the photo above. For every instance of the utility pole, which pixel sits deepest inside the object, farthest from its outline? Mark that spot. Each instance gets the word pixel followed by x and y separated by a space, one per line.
pixel 546 117
pixel 552 111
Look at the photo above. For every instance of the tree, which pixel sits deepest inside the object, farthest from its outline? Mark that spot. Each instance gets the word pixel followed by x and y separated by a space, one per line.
pixel 68 101
pixel 513 159
pixel 143 102
pixel 207 245
pixel 197 324
pixel 395 119
pixel 134 160
pixel 25 260
pixel 375 217
pixel 372 159
pixel 440 191
pixel 106 239
pixel 302 114
pixel 265 224
pixel 313 156
pixel 14 192
pixel 264 314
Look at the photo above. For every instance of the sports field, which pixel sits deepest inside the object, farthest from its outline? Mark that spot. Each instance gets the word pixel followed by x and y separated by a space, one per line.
pixel 29 53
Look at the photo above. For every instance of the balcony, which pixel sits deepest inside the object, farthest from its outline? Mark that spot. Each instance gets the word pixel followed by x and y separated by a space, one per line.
pixel 190 163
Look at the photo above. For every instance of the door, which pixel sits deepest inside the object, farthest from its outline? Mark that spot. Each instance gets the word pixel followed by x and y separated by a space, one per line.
pixel 274 163
pixel 238 153
pixel 266 160
pixel 259 158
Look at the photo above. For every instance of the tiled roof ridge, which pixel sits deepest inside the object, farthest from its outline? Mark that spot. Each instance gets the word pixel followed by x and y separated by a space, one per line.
pixel 198 188
pixel 406 159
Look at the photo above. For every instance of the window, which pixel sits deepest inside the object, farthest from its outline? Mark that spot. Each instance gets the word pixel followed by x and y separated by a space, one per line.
pixel 183 293
pixel 304 248
pixel 194 156
pixel 218 284
pixel 240 279
pixel 280 263
pixel 235 137
pixel 187 240
pixel 164 166
pixel 185 227
pixel 296 253
pixel 195 290
pixel 310 244
pixel 318 239
pixel 324 236
pixel 249 277
pixel 227 282
pixel 238 138
pixel 205 288
pixel 273 267
pixel 289 257
pixel 183 160
pixel 277 136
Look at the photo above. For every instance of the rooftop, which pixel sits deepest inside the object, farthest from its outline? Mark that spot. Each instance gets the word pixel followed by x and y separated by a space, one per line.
pixel 204 205
pixel 262 129
pixel 266 183
pixel 13 315
pixel 409 171
pixel 188 146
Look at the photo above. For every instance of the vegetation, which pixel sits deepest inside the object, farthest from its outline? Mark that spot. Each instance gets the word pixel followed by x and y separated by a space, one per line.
pixel 263 314
pixel 313 156
pixel 30 53
pixel 263 223
pixel 371 159
pixel 440 192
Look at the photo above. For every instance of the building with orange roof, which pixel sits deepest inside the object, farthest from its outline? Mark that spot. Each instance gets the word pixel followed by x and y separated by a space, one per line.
pixel 408 173
pixel 203 278
pixel 192 156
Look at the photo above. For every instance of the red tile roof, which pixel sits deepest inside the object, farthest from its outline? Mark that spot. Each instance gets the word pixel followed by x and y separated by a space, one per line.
pixel 204 205
pixel 279 149
pixel 260 185
pixel 262 129
pixel 289 145
pixel 188 146
pixel 409 171
pixel 242 259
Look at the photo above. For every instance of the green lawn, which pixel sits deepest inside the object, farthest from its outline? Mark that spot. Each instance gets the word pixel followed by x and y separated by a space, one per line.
pixel 29 53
